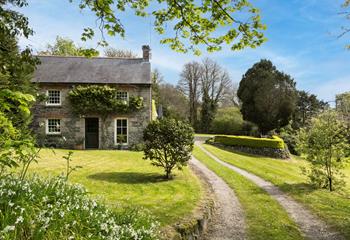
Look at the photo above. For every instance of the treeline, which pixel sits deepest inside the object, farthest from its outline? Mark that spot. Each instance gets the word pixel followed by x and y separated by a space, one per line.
pixel 204 92
pixel 265 101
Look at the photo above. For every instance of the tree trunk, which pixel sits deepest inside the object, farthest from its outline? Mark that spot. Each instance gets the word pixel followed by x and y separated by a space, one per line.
pixel 168 173
pixel 330 184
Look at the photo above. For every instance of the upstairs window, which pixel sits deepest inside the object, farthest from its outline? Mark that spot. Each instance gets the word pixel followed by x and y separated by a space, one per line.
pixel 53 126
pixel 122 96
pixel 53 98
pixel 121 130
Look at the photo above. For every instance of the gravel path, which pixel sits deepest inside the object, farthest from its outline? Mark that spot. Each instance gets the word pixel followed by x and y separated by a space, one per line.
pixel 310 225
pixel 228 220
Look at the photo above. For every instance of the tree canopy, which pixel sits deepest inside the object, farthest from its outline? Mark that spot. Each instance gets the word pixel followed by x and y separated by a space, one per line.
pixel 17 93
pixel 307 107
pixel 325 146
pixel 209 23
pixel 66 47
pixel 268 96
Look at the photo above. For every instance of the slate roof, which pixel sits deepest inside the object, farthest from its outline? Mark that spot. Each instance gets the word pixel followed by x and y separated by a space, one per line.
pixel 57 69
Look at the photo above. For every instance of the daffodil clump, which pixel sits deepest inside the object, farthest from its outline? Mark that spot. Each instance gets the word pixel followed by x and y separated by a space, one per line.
pixel 39 208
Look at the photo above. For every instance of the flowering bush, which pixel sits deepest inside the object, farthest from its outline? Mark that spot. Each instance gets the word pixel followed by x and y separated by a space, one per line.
pixel 53 209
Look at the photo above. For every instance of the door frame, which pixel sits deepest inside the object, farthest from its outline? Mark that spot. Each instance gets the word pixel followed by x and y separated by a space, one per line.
pixel 98 132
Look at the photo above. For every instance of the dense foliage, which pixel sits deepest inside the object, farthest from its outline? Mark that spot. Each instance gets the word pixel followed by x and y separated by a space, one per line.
pixel 66 47
pixel 324 145
pixel 274 142
pixel 101 100
pixel 268 96
pixel 168 144
pixel 307 106
pixel 173 102
pixel 211 23
pixel 343 106
pixel 52 209
pixel 17 93
pixel 227 121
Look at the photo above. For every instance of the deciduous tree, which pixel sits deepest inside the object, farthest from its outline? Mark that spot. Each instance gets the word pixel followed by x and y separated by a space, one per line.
pixel 174 103
pixel 324 145
pixel 210 23
pixel 17 93
pixel 189 84
pixel 215 81
pixel 66 47
pixel 307 106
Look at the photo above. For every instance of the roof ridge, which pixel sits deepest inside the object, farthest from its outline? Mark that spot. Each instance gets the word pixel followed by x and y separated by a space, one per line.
pixel 56 56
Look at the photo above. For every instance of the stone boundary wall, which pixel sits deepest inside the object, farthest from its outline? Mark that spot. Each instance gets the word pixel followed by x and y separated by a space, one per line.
pixel 267 152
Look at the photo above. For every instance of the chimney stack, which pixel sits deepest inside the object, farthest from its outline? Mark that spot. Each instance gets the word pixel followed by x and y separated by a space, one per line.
pixel 146 52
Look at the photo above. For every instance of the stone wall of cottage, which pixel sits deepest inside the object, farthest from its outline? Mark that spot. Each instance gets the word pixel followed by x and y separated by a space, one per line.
pixel 73 126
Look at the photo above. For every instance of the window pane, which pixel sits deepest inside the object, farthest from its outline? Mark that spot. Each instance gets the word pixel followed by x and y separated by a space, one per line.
pixel 122 95
pixel 54 125
pixel 122 131
pixel 54 97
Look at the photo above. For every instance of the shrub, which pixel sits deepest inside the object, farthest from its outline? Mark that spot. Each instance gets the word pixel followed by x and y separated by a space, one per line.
pixel 168 144
pixel 324 145
pixel 289 136
pixel 53 209
pixel 227 121
pixel 250 129
pixel 274 142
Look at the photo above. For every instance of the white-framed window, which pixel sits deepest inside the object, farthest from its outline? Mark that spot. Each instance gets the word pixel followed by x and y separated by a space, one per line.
pixel 123 96
pixel 53 126
pixel 121 131
pixel 53 98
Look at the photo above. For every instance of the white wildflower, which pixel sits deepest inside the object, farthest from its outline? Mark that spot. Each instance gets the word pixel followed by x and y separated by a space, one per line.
pixel 8 229
pixel 19 220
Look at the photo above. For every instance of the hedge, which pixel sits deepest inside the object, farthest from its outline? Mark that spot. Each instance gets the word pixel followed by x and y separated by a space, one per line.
pixel 274 142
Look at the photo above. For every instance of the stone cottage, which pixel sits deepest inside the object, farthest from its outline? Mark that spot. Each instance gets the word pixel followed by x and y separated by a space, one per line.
pixel 56 124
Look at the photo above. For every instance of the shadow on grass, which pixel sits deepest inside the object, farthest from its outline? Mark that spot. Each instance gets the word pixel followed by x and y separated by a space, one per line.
pixel 128 177
pixel 298 188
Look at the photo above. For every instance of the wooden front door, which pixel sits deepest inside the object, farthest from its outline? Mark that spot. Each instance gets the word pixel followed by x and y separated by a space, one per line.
pixel 91 133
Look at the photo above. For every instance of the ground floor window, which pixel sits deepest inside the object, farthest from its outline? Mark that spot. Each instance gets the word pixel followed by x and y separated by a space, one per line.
pixel 121 130
pixel 53 126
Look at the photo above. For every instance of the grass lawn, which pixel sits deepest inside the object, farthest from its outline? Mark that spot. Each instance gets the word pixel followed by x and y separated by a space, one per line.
pixel 123 178
pixel 286 174
pixel 265 218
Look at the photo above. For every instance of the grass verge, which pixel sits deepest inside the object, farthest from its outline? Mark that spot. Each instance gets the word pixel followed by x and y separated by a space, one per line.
pixel 333 207
pixel 265 218
pixel 123 178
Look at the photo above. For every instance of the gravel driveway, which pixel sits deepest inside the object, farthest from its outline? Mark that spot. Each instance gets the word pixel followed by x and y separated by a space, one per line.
pixel 310 225
pixel 228 220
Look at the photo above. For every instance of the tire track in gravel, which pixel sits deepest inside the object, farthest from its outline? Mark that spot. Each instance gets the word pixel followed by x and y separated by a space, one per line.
pixel 227 222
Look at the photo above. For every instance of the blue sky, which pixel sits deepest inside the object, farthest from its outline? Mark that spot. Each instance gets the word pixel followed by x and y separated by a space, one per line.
pixel 302 41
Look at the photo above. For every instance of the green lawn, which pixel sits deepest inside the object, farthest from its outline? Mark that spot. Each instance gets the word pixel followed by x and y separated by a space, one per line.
pixel 265 218
pixel 124 178
pixel 286 174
